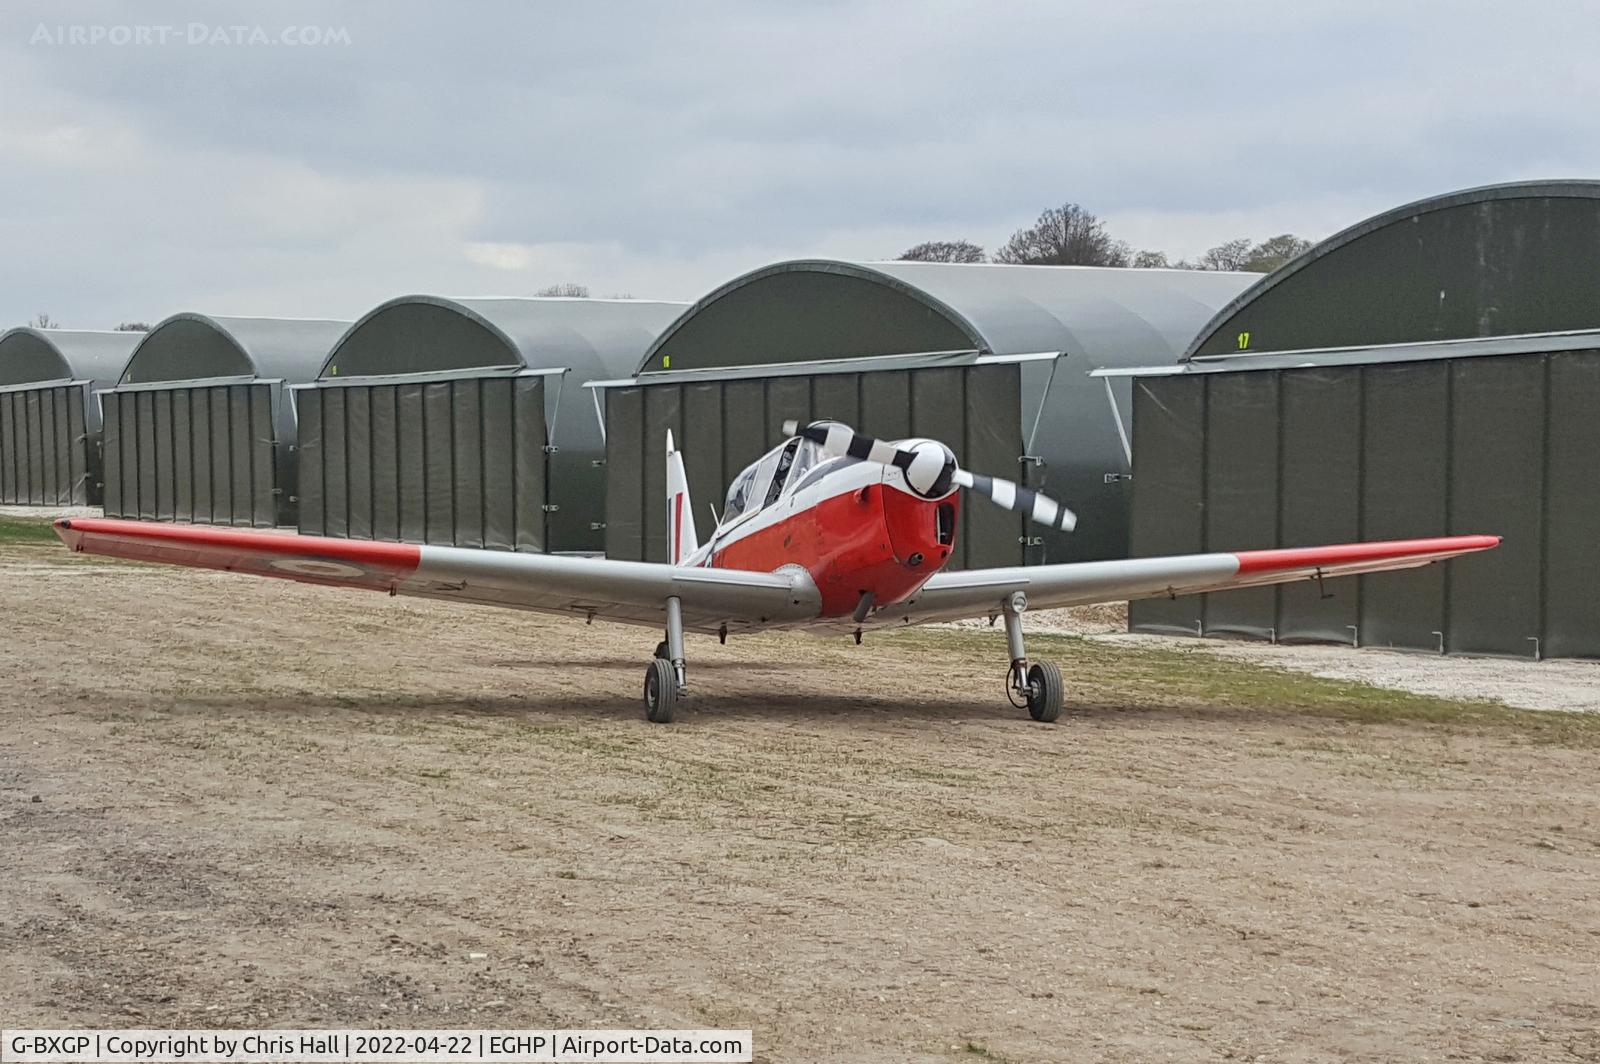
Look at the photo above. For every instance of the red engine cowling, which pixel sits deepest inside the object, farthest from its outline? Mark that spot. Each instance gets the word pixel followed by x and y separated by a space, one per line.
pixel 923 531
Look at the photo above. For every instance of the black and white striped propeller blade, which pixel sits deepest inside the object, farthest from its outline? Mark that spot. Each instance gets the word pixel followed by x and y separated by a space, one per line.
pixel 934 471
pixel 1041 509
pixel 842 440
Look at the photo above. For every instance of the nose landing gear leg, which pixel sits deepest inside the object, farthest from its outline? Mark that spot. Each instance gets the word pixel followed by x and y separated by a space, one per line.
pixel 667 678
pixel 1037 686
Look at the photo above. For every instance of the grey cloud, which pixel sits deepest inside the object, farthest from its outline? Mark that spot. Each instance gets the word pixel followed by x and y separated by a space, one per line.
pixel 658 141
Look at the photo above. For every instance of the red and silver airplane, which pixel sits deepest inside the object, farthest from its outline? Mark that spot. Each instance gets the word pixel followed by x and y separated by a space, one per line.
pixel 829 531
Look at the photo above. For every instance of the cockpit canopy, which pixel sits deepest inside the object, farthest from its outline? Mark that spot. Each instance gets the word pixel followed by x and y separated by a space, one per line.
pixel 771 476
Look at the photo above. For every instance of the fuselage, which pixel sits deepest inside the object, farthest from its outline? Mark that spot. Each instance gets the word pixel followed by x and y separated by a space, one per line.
pixel 865 537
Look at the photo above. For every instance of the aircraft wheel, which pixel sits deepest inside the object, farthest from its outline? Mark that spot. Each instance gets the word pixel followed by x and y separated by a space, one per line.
pixel 663 651
pixel 660 692
pixel 1045 691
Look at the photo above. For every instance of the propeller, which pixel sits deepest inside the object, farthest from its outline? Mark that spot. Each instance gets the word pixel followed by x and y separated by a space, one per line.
pixel 930 469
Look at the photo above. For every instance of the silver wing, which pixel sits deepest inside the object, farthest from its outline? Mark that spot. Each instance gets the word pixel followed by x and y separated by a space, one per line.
pixel 718 599
pixel 586 588
pixel 982 592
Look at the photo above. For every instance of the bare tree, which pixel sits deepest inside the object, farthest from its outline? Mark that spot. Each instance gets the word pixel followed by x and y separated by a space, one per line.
pixel 1241 254
pixel 1231 255
pixel 44 321
pixel 1066 235
pixel 565 288
pixel 944 251
pixel 1151 260
pixel 134 326
pixel 1275 251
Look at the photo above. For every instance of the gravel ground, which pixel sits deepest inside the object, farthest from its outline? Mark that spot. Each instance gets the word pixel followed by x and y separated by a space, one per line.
pixel 238 802
pixel 1559 684
pixel 50 513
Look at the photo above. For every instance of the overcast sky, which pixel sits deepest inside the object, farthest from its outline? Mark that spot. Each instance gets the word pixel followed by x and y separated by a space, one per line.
pixel 157 158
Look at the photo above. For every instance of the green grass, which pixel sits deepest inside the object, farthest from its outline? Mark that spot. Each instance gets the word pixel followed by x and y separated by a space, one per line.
pixel 26 530
pixel 1102 674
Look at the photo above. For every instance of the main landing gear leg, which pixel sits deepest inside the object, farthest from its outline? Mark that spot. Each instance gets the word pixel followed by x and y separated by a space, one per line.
pixel 667 677
pixel 1037 686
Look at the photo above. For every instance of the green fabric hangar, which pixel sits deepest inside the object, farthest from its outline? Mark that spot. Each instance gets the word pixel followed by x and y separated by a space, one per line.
pixel 993 360
pixel 462 421
pixel 200 426
pixel 1433 370
pixel 50 424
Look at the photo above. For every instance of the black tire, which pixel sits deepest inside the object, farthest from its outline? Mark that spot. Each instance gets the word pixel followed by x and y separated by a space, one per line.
pixel 663 651
pixel 1045 692
pixel 660 692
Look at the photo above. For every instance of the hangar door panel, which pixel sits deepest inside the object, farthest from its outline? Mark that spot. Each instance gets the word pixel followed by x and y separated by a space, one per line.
pixel 1168 489
pixel 438 464
pixel 410 451
pixel 87 477
pixel 1571 575
pixel 42 412
pixel 8 448
pixel 744 431
pixel 993 445
pixel 118 445
pixel 724 425
pixel 466 444
pixel 837 397
pixel 164 492
pixel 702 447
pixel 1241 491
pixel 308 461
pixel 45 458
pixel 663 411
pixel 60 445
pixel 624 473
pixel 497 410
pixel 357 411
pixel 382 477
pixel 8 473
pixel 182 456
pixel 192 454
pixel 1496 479
pixel 83 464
pixel 886 404
pixel 456 462
pixel 788 399
pixel 200 457
pixel 145 434
pixel 110 450
pixel 1320 496
pixel 1405 462
pixel 34 418
pixel 938 411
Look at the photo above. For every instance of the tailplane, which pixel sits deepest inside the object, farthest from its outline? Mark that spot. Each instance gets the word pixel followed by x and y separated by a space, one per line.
pixel 682 540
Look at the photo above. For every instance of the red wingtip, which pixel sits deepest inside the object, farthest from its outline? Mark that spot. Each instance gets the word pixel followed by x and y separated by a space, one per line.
pixel 310 559
pixel 1258 561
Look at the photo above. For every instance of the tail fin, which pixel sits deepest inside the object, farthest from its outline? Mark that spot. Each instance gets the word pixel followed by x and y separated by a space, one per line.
pixel 682 540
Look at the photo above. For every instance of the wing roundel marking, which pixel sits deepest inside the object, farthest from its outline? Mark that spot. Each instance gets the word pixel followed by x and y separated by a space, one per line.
pixel 317 567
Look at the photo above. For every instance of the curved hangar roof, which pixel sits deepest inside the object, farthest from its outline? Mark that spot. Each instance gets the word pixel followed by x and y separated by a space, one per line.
pixel 1501 260
pixel 37 356
pixel 196 347
pixel 814 309
pixel 429 334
